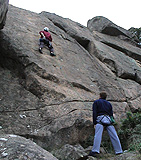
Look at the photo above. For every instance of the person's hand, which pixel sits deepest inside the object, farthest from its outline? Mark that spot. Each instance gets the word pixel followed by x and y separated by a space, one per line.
pixel 44 37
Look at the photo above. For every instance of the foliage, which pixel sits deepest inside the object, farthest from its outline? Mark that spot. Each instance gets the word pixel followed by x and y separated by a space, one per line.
pixel 136 32
pixel 129 132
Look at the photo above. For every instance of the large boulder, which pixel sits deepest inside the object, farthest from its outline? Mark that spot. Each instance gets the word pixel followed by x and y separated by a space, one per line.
pixel 105 26
pixel 16 147
pixel 3 12
pixel 49 99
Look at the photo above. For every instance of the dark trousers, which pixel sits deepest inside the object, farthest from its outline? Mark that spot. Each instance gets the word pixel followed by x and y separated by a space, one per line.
pixel 43 42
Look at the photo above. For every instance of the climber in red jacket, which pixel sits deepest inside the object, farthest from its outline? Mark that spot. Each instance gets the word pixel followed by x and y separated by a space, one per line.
pixel 46 39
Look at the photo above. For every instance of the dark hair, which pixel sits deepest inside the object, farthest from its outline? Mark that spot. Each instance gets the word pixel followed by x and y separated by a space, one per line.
pixel 103 95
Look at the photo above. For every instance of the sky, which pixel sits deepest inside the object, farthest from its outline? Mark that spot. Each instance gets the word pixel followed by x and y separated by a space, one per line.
pixel 124 13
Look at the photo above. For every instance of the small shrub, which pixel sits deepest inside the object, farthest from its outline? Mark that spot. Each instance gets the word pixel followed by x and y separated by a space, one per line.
pixel 129 132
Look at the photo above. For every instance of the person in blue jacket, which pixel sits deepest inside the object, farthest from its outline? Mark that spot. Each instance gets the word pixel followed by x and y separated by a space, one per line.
pixel 103 117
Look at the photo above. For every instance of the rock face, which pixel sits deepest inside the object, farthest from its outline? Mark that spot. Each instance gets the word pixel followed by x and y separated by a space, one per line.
pixel 3 12
pixel 49 99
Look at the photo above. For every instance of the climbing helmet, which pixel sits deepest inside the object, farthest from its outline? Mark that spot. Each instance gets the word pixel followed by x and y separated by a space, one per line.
pixel 46 29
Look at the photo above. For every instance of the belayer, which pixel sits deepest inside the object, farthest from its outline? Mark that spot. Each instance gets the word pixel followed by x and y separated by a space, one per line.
pixel 103 117
pixel 46 39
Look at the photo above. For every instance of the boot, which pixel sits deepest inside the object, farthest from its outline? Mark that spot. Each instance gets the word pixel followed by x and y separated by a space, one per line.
pixel 40 50
pixel 93 154
pixel 52 54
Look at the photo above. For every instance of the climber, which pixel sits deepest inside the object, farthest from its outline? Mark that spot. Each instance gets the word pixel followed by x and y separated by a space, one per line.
pixel 46 39
pixel 102 117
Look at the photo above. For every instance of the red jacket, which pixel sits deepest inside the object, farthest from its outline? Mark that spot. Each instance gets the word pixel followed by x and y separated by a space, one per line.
pixel 46 34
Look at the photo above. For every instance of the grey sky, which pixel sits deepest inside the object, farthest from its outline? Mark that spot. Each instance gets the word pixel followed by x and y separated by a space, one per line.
pixel 124 13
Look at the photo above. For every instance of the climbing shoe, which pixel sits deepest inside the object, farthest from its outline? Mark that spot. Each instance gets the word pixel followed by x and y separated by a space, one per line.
pixel 52 54
pixel 40 50
pixel 93 154
pixel 119 153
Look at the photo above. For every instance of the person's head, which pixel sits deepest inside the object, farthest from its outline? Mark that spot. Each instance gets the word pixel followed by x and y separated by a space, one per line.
pixel 103 95
pixel 46 29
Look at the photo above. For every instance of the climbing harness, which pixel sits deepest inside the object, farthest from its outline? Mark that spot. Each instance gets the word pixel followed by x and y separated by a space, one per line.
pixel 105 120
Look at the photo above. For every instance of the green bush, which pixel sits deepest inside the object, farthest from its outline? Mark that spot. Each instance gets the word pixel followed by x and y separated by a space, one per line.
pixel 136 32
pixel 129 132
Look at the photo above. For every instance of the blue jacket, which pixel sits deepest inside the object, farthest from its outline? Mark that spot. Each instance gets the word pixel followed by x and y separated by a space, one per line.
pixel 101 107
